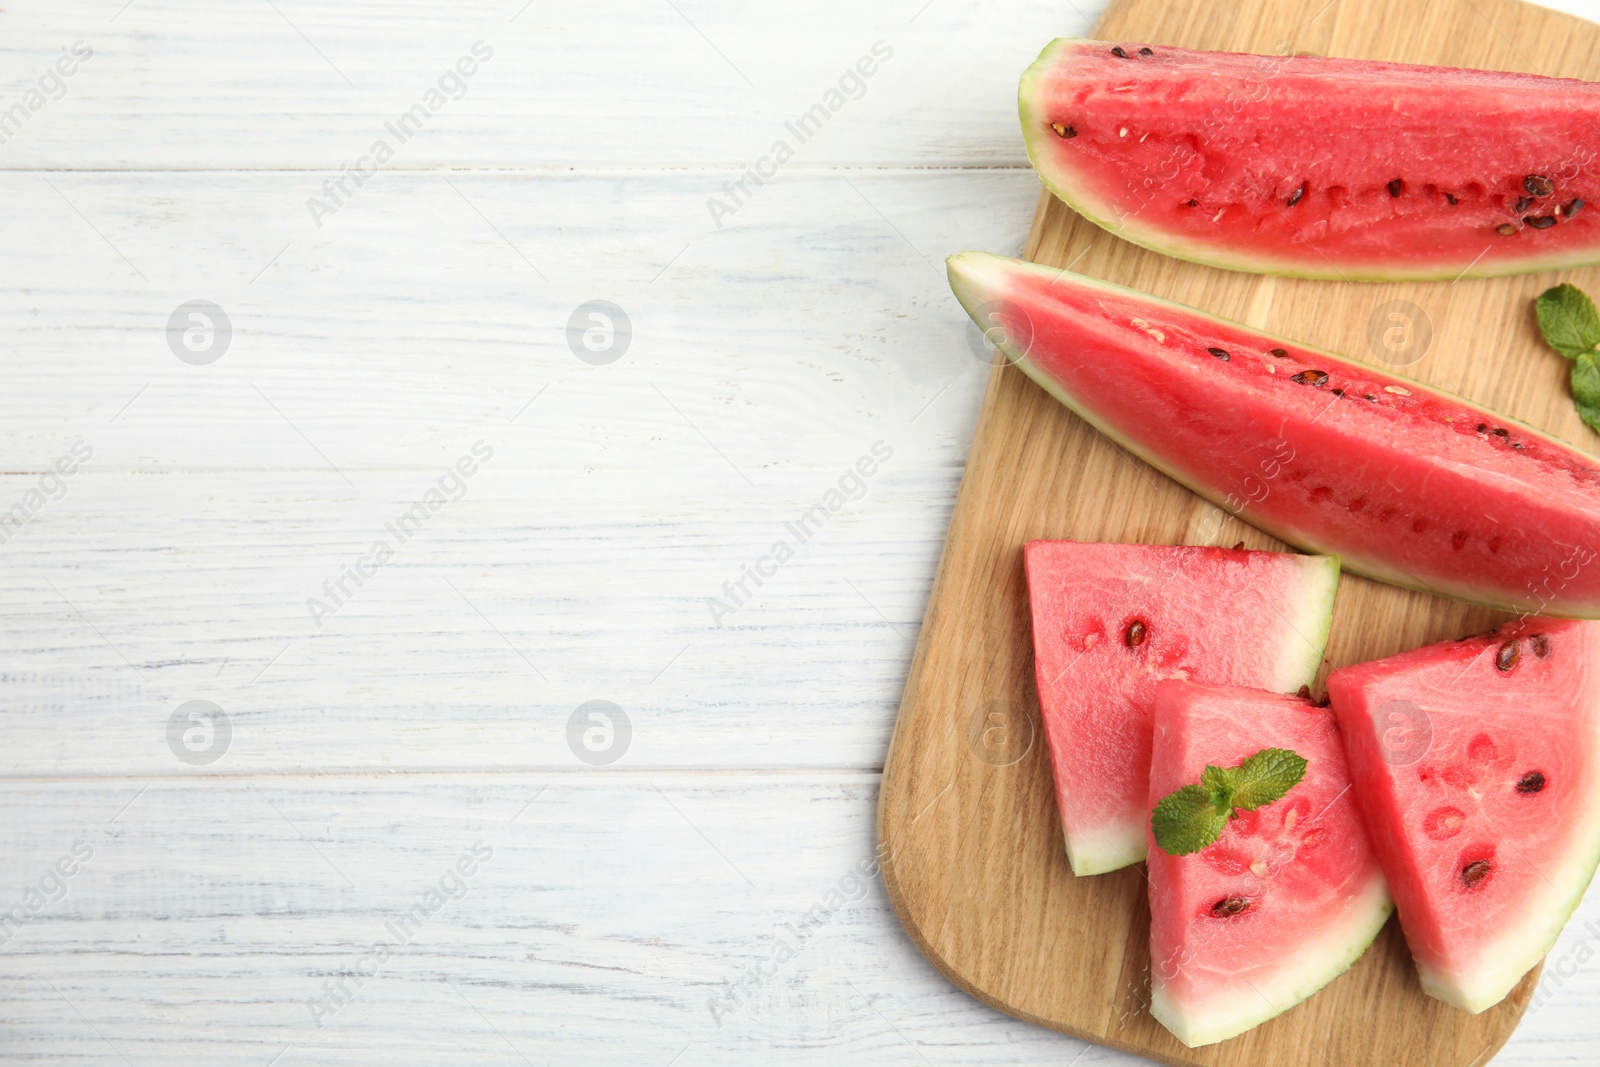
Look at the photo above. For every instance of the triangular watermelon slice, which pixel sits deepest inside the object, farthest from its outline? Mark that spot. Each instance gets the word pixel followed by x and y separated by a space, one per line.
pixel 1478 767
pixel 1287 898
pixel 1110 621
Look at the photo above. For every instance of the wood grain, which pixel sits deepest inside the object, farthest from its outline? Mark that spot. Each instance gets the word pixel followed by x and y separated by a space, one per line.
pixel 975 865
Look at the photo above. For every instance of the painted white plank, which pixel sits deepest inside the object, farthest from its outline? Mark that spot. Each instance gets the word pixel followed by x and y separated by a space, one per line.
pixel 368 360
pixel 475 644
pixel 430 311
pixel 566 84
pixel 604 916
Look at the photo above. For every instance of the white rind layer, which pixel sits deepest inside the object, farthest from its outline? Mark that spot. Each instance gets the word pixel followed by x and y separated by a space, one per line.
pixel 1269 993
pixel 1108 849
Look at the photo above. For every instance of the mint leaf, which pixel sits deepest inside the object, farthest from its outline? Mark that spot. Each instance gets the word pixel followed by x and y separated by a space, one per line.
pixel 1187 821
pixel 1192 817
pixel 1568 320
pixel 1586 389
pixel 1218 785
pixel 1266 777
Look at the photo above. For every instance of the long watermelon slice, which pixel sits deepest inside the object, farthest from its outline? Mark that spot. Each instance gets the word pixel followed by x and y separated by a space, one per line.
pixel 1289 896
pixel 1321 168
pixel 1110 621
pixel 1404 483
pixel 1477 763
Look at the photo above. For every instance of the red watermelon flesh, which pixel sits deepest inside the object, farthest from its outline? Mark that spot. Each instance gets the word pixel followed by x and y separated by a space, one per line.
pixel 1321 168
pixel 1477 763
pixel 1404 483
pixel 1110 621
pixel 1287 898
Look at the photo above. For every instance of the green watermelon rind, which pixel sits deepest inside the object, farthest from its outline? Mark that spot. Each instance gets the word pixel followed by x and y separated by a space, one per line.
pixel 1125 845
pixel 964 270
pixel 1080 197
pixel 1206 1024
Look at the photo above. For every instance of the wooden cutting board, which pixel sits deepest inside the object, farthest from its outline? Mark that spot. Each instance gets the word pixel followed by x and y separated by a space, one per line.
pixel 971 845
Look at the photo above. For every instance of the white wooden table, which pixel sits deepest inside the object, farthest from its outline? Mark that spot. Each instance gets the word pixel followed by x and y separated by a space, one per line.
pixel 395 830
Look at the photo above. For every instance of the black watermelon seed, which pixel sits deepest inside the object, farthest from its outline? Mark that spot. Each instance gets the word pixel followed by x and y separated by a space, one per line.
pixel 1147 51
pixel 1294 197
pixel 1220 353
pixel 1505 229
pixel 1369 396
pixel 1337 392
pixel 1502 432
pixel 1118 52
pixel 1239 546
pixel 1517 445
pixel 1572 208
pixel 1135 635
pixel 1508 655
pixel 1066 133
pixel 1483 427
pixel 1192 203
pixel 1228 907
pixel 1451 197
pixel 1396 187
pixel 1314 377
pixel 1475 872
pixel 1538 185
pixel 1540 222
pixel 1305 692
pixel 1530 783
pixel 1541 645
pixel 1280 353
pixel 1523 203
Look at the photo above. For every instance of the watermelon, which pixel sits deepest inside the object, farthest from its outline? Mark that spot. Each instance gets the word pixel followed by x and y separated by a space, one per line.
pixel 1318 168
pixel 1405 483
pixel 1110 621
pixel 1286 899
pixel 1477 764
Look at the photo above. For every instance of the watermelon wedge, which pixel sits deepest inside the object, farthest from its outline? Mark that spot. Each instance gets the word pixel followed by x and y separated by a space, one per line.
pixel 1319 168
pixel 1477 763
pixel 1402 482
pixel 1287 898
pixel 1110 621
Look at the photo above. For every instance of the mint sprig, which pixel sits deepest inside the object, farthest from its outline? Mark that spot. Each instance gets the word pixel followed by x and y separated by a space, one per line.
pixel 1571 326
pixel 1193 817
